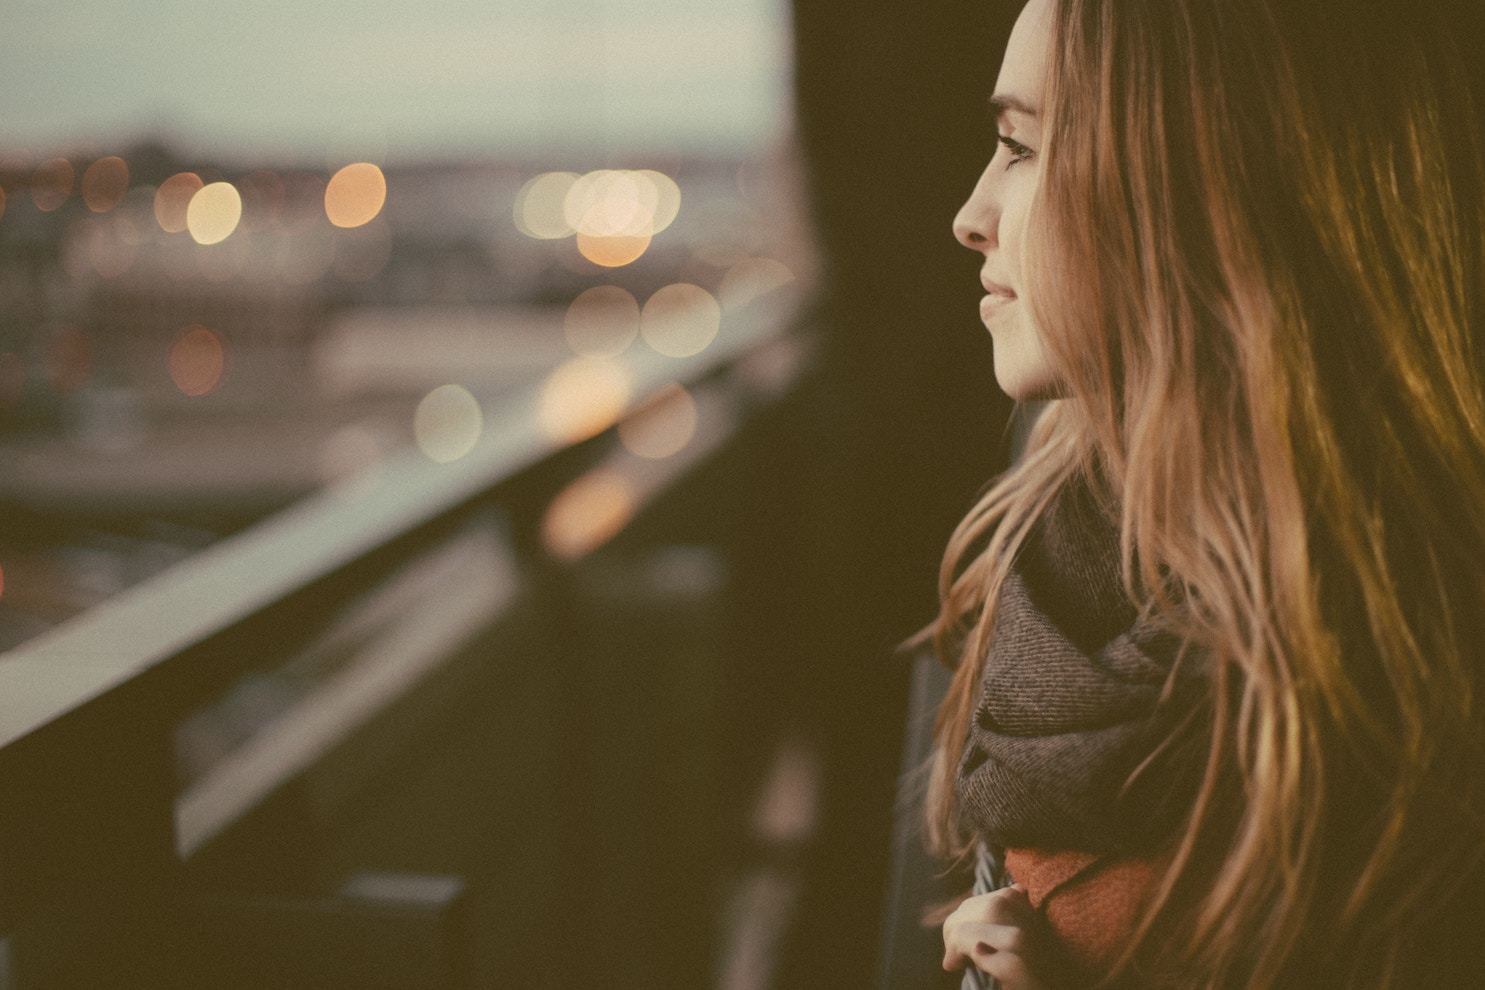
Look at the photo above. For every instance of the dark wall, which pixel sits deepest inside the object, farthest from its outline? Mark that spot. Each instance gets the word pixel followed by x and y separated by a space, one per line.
pixel 891 110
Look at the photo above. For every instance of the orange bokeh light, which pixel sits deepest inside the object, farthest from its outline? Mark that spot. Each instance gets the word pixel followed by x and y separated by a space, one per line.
pixel 355 195
pixel 663 426
pixel 583 397
pixel 172 199
pixel 104 183
pixel 197 359
pixel 51 184
pixel 612 252
pixel 588 513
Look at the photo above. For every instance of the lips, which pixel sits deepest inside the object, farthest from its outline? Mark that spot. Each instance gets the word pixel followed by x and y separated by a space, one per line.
pixel 996 289
pixel 989 304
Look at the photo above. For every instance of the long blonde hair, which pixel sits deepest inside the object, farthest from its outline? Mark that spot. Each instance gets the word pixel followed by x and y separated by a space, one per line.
pixel 1257 266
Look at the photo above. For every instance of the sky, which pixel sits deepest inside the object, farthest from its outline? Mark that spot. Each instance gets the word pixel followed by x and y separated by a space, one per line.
pixel 397 79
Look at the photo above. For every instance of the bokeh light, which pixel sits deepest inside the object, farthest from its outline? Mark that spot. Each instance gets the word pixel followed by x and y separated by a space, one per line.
pixel 610 203
pixel 621 203
pixel 680 319
pixel 538 210
pixel 355 195
pixel 104 183
pixel 587 513
pixel 662 426
pixel 213 213
pixel 583 397
pixel 197 359
pixel 752 278
pixel 51 184
pixel 667 199
pixel 611 252
pixel 447 423
pixel 173 198
pixel 601 321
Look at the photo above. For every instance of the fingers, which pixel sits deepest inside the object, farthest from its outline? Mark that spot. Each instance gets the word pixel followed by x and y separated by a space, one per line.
pixel 1006 906
pixel 976 941
pixel 999 920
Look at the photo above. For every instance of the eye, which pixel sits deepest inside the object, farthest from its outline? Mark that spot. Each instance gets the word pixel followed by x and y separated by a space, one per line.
pixel 1019 151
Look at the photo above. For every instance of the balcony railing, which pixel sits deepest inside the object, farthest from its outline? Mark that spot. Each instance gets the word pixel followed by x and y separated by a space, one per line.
pixel 386 736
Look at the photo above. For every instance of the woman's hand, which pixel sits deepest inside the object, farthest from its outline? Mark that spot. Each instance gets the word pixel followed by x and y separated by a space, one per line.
pixel 1001 934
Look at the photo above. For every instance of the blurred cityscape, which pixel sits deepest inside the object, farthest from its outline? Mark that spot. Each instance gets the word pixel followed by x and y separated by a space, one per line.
pixel 187 346
pixel 410 435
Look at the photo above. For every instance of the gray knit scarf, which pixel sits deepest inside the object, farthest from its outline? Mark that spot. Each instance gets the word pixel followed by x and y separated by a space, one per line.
pixel 1067 705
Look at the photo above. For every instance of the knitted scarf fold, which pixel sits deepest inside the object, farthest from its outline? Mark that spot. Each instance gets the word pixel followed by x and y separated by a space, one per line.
pixel 1068 702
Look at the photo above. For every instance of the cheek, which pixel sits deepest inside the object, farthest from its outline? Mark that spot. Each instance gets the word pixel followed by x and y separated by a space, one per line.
pixel 1014 225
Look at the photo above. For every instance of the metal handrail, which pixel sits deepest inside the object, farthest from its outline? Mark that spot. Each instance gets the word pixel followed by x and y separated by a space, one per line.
pixel 144 628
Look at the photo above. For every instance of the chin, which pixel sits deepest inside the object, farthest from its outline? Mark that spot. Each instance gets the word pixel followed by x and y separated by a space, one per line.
pixel 1023 387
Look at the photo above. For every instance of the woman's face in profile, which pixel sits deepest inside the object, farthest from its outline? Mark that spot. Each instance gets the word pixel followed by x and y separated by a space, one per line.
pixel 993 220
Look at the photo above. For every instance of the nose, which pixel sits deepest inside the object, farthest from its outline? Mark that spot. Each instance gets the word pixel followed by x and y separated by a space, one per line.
pixel 975 223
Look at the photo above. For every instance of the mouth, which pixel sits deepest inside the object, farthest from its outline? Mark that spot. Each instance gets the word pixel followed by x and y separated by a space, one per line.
pixel 996 289
pixel 995 301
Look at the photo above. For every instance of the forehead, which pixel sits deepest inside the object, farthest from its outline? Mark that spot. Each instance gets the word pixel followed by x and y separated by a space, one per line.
pixel 1026 52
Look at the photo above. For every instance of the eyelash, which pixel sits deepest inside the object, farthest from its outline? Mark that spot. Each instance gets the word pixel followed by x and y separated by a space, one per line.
pixel 1019 151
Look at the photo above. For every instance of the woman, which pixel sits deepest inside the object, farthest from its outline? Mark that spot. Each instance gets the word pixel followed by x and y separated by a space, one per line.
pixel 1217 636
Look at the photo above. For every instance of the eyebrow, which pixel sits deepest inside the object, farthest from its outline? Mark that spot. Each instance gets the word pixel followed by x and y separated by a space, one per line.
pixel 1001 102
